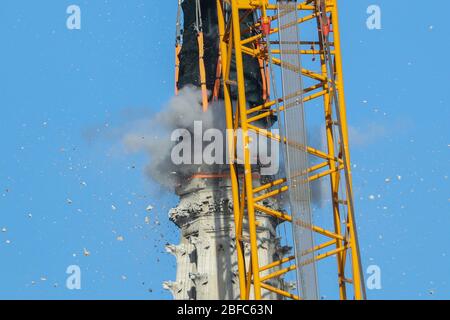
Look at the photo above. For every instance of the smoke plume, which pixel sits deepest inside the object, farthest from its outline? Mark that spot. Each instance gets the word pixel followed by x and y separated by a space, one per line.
pixel 154 135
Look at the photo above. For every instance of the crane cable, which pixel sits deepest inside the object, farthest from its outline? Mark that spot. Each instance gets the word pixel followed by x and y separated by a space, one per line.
pixel 201 54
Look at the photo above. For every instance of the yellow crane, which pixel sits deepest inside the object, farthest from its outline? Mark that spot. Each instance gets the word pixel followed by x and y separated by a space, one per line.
pixel 283 36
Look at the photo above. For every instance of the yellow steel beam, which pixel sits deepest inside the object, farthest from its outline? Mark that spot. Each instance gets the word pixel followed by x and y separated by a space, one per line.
pixel 276 137
pixel 271 103
pixel 288 259
pixel 358 280
pixel 226 63
pixel 277 263
pixel 280 292
pixel 242 106
pixel 247 198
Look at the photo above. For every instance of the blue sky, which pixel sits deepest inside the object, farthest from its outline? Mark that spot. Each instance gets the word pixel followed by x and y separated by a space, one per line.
pixel 66 185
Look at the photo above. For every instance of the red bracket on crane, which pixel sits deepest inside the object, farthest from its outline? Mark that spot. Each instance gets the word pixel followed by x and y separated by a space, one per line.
pixel 326 29
pixel 265 25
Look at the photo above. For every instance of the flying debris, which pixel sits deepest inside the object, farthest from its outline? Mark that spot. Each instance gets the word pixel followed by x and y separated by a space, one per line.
pixel 86 252
pixel 149 208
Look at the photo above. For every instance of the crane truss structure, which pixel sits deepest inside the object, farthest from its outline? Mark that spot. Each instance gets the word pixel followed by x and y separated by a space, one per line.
pixel 275 41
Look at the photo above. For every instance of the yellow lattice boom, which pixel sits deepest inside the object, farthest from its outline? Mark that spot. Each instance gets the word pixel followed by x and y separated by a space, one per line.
pixel 325 88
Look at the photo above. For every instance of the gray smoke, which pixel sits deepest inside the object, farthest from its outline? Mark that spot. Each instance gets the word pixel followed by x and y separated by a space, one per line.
pixel 320 189
pixel 154 135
